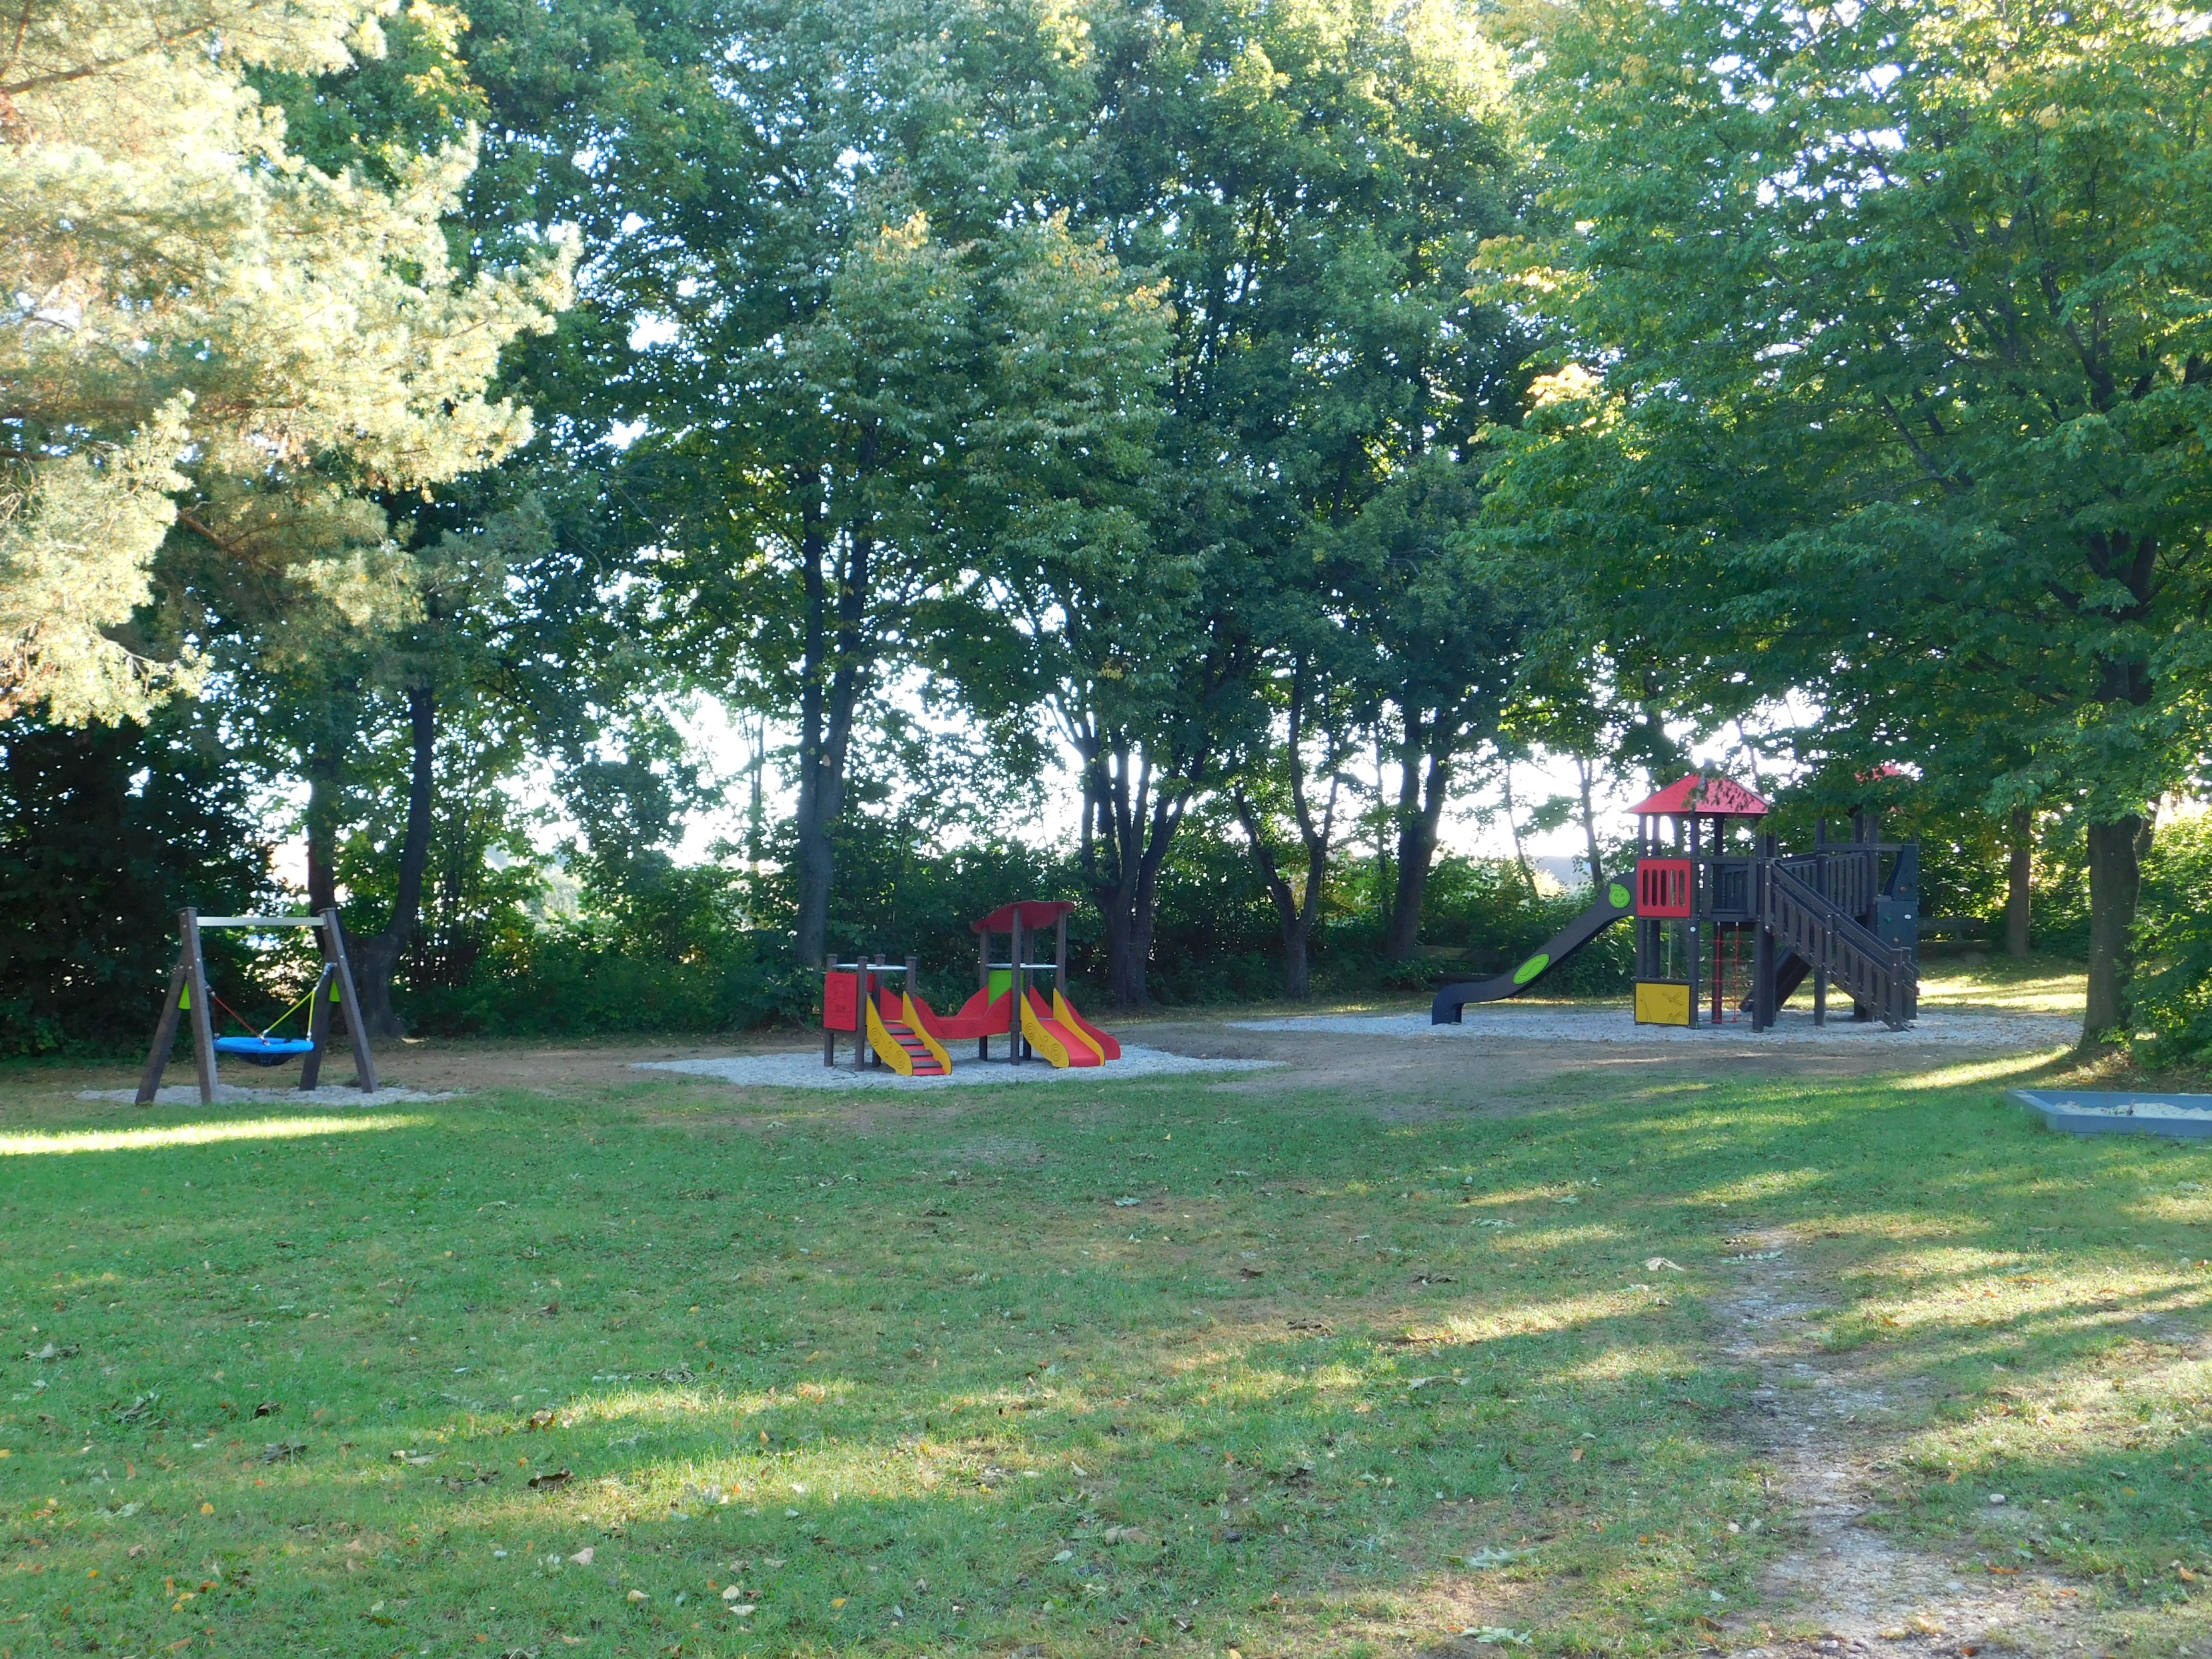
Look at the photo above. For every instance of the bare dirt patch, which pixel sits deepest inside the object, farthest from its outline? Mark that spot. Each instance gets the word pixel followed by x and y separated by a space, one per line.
pixel 1824 1422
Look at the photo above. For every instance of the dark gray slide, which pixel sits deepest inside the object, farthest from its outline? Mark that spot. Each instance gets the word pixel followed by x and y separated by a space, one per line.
pixel 1614 904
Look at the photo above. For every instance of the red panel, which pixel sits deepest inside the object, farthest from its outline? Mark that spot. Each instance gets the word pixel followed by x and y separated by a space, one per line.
pixel 840 1002
pixel 1662 887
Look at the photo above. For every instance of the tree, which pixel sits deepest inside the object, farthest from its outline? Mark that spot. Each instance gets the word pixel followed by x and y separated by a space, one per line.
pixel 827 401
pixel 202 331
pixel 1310 181
pixel 1905 321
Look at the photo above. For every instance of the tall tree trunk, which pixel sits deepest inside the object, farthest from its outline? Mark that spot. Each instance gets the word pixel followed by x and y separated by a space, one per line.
pixel 322 827
pixel 1584 777
pixel 1513 829
pixel 834 675
pixel 1424 778
pixel 1129 821
pixel 1296 912
pixel 376 959
pixel 2016 886
pixel 2116 851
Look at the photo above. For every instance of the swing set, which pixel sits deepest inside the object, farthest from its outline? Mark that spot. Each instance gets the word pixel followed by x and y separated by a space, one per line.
pixel 190 993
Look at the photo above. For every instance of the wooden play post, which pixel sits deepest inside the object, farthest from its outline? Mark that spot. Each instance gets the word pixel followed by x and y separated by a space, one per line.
pixel 337 986
pixel 1014 958
pixel 983 984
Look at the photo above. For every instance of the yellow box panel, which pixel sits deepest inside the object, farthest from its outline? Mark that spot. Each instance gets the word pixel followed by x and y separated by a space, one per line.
pixel 1662 1005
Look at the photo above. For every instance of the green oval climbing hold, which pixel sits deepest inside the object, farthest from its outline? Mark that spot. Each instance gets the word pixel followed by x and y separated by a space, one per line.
pixel 1618 893
pixel 1529 969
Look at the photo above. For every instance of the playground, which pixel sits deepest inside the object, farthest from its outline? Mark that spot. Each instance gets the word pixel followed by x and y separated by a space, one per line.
pixel 1617 1346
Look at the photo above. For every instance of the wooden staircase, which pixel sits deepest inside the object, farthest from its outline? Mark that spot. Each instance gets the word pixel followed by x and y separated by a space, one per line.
pixel 1877 974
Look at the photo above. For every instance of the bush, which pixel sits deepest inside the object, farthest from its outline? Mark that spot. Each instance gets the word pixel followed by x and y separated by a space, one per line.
pixel 2173 989
pixel 592 978
pixel 105 834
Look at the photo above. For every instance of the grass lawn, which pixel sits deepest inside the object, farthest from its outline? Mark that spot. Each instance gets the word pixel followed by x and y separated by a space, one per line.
pixel 1101 1367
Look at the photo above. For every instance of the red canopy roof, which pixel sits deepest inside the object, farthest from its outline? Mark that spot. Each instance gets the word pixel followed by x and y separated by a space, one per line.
pixel 1700 797
pixel 1036 912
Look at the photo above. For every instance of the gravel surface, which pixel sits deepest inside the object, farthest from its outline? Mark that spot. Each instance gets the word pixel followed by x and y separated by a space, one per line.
pixel 806 1071
pixel 1616 1024
pixel 229 1094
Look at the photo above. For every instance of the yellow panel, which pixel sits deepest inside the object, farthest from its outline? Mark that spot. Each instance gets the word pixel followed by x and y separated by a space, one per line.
pixel 1662 1005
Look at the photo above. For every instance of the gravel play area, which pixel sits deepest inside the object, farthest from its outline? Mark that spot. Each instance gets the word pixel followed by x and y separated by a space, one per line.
pixel 1615 1025
pixel 806 1071
pixel 229 1094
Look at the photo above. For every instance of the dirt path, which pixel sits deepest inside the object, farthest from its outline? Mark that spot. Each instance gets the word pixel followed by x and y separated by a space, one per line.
pixel 1824 1421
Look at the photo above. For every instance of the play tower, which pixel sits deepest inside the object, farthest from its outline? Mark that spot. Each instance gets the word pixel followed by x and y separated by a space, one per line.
pixel 1728 926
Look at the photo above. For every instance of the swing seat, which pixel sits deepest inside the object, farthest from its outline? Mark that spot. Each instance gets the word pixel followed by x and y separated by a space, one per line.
pixel 262 1050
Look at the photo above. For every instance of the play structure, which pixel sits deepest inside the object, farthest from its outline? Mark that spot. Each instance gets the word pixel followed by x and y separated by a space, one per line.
pixel 901 1030
pixel 191 993
pixel 1728 926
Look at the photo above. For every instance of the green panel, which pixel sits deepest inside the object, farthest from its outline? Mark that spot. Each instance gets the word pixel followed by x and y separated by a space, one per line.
pixel 1002 980
pixel 1529 969
pixel 1618 894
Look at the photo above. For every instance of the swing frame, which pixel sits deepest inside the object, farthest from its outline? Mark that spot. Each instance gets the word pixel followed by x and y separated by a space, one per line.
pixel 188 991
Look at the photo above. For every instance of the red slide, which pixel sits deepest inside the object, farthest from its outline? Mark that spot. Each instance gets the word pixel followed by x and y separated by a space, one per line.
pixel 1066 1013
pixel 983 1015
pixel 1051 1039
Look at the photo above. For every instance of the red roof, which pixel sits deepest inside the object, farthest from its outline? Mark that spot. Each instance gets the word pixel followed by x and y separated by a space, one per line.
pixel 1700 797
pixel 1036 912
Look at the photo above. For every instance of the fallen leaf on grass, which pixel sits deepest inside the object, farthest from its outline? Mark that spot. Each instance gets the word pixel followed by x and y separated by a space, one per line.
pixel 1496 1634
pixel 1124 1535
pixel 543 1420
pixel 138 1408
pixel 50 1352
pixel 1575 1455
pixel 1251 1272
pixel 639 1596
pixel 549 1311
pixel 1314 1325
pixel 1654 1264
pixel 1488 1557
pixel 278 1451
pixel 582 1557
pixel 547 1482
pixel 267 1408
pixel 415 1460
pixel 1424 1381
pixel 1119 1203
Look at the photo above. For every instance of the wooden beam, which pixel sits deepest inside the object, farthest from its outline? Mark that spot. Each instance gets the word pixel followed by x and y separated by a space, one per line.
pixel 364 1063
pixel 203 1005
pixel 164 1036
pixel 318 1029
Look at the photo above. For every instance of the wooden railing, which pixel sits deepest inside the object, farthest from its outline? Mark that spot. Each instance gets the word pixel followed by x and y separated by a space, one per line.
pixel 1876 974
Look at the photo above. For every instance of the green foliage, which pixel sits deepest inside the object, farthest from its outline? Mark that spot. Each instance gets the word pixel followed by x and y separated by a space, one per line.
pixel 595 977
pixel 105 832
pixel 1893 329
pixel 2172 992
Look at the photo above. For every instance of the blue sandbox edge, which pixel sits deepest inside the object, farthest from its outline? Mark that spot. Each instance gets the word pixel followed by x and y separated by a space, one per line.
pixel 2060 1109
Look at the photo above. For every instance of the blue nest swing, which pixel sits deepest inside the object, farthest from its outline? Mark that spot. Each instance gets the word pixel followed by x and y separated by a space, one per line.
pixel 259 1048
pixel 263 1050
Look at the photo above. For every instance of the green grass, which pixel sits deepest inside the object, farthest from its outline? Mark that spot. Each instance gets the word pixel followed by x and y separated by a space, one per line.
pixel 919 1378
